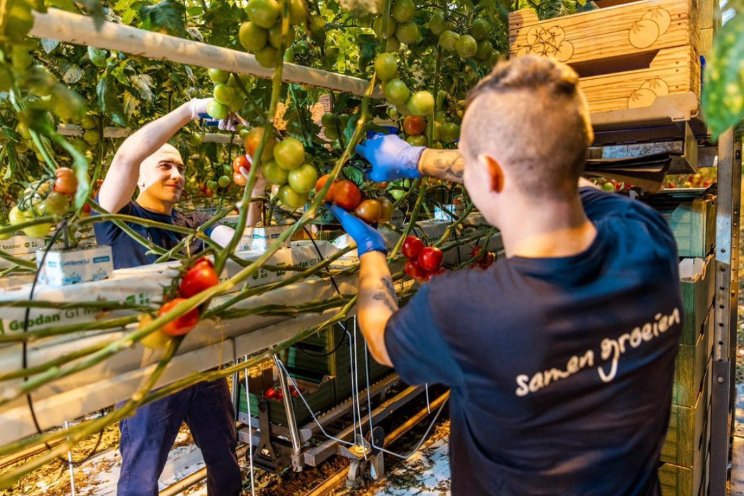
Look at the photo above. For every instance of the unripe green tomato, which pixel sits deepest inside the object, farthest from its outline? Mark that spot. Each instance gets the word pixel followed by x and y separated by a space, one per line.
pixel 268 56
pixel 386 66
pixel 273 173
pixel 485 49
pixel 224 181
pixel 436 23
pixel 37 231
pixel 289 153
pixel 419 140
pixel 408 33
pixel 448 40
pixel 389 28
pixel 392 44
pixel 212 184
pixel 290 198
pixel 91 137
pixel 331 132
pixel 328 119
pixel 224 94
pixel 302 179
pixel 275 36
pixel 480 29
pixel 227 170
pixel 466 46
pixel 216 110
pixel 297 12
pixel 421 103
pixel 218 75
pixel 403 10
pixel 450 132
pixel 263 12
pixel 396 92
pixel 252 37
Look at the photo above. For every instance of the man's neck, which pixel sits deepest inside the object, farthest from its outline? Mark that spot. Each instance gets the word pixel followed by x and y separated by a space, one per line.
pixel 547 230
pixel 154 205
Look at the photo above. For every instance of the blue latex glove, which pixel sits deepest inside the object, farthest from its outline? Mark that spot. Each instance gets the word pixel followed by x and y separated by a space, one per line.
pixel 366 237
pixel 391 158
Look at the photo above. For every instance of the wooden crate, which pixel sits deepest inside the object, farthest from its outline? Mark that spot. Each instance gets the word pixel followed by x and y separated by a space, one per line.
pixel 683 481
pixel 694 226
pixel 698 293
pixel 689 369
pixel 686 434
pixel 605 34
pixel 627 55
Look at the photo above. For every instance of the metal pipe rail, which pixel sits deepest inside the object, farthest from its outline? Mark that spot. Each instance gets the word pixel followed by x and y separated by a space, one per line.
pixel 81 30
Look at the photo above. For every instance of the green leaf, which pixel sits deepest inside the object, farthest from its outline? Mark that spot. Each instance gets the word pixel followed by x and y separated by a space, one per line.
pixel 108 100
pixel 354 175
pixel 131 103
pixel 165 16
pixel 723 89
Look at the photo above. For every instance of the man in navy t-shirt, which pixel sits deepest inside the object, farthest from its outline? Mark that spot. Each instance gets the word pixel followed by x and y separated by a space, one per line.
pixel 560 357
pixel 146 161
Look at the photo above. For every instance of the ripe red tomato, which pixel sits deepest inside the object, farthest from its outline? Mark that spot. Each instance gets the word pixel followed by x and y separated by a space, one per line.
pixel 413 270
pixel 412 247
pixel 414 125
pixel 319 185
pixel 66 182
pixel 270 393
pixel 198 278
pixel 183 324
pixel 241 161
pixel 487 261
pixel 430 258
pixel 346 194
pixel 369 211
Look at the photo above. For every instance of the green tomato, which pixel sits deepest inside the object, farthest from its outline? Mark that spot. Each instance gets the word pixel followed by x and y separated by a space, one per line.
pixel 408 33
pixel 328 119
pixel 268 56
pixel 91 137
pixel 212 184
pixel 303 178
pixel 224 94
pixel 273 173
pixel 450 132
pixel 466 46
pixel 227 170
pixel 386 66
pixel 275 36
pixel 485 49
pixel 389 28
pixel 396 190
pixel 609 187
pixel 37 231
pixel 237 102
pixel 195 139
pixel 223 181
pixel 419 140
pixel 88 122
pixel 421 103
pixel 480 29
pixel 448 40
pixel 297 12
pixel 289 153
pixel 218 75
pixel 216 110
pixel 252 37
pixel 436 23
pixel 403 10
pixel 290 198
pixel 263 12
pixel 396 92
pixel 331 132
pixel 56 204
pixel 392 44
pixel 16 216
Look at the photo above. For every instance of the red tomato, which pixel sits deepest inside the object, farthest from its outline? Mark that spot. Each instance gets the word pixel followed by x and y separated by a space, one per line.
pixel 319 185
pixel 66 182
pixel 183 324
pixel 198 278
pixel 239 179
pixel 413 270
pixel 241 161
pixel 412 247
pixel 346 194
pixel 430 258
pixel 369 211
pixel 270 393
pixel 487 261
pixel 414 125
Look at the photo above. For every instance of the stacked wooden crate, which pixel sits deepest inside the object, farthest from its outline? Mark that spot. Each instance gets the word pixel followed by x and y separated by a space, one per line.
pixel 627 55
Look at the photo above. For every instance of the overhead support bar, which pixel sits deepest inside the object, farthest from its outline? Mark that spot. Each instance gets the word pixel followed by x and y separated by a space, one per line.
pixel 81 30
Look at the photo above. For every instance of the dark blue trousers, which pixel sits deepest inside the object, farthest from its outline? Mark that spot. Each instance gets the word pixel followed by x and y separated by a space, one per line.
pixel 147 437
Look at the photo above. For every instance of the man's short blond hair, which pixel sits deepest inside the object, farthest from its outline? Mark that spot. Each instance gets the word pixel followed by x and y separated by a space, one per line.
pixel 530 114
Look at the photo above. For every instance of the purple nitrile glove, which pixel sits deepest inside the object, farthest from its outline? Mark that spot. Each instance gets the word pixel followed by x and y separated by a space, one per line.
pixel 391 158
pixel 366 237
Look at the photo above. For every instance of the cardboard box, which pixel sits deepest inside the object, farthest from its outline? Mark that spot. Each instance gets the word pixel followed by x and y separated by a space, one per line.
pixel 63 267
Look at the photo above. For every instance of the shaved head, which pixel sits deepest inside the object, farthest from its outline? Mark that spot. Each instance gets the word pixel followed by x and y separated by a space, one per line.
pixel 530 116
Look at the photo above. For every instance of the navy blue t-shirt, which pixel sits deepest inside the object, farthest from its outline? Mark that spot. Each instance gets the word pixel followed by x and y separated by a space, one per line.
pixel 129 253
pixel 561 369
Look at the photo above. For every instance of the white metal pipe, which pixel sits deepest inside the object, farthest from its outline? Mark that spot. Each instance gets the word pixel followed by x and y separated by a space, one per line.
pixel 81 30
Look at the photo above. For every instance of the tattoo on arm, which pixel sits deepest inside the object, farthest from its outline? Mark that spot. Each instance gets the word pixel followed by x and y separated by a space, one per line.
pixel 447 165
pixel 386 295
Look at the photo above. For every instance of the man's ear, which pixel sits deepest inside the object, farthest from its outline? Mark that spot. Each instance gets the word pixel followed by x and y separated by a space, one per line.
pixel 495 174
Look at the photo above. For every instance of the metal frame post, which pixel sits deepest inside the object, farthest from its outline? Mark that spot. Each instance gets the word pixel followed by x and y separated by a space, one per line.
pixel 726 306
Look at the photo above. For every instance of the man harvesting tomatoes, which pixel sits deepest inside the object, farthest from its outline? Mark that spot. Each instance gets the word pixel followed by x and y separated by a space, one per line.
pixel 560 357
pixel 145 161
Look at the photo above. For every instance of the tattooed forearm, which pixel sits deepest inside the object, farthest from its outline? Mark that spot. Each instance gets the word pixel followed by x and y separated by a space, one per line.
pixel 387 295
pixel 443 164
